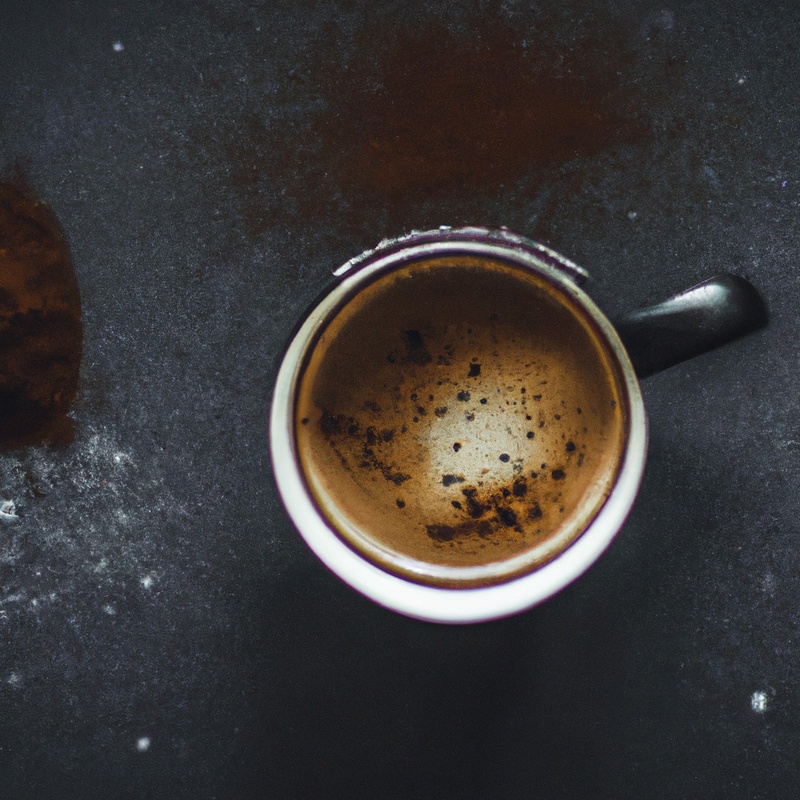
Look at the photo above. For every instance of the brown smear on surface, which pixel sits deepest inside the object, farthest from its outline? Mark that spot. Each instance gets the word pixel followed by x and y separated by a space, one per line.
pixel 481 109
pixel 424 113
pixel 40 324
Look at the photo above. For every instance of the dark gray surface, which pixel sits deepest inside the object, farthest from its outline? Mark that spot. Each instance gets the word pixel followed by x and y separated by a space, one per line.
pixel 163 630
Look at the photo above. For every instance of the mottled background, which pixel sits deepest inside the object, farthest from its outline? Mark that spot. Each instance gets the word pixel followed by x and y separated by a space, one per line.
pixel 164 633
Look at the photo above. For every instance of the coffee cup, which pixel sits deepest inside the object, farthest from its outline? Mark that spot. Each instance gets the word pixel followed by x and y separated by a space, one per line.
pixel 458 431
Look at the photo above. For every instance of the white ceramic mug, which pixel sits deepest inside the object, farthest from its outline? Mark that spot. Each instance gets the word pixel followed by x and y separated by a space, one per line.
pixel 350 544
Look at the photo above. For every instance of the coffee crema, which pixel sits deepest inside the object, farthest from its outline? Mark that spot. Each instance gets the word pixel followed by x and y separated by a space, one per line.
pixel 460 420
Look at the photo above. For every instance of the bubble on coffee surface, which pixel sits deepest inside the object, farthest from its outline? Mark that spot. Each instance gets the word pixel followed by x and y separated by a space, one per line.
pixel 459 419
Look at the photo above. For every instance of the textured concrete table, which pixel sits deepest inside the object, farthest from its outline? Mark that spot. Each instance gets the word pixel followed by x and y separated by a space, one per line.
pixel 163 630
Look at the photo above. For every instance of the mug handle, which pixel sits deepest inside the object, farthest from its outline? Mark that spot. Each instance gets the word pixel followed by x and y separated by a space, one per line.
pixel 714 312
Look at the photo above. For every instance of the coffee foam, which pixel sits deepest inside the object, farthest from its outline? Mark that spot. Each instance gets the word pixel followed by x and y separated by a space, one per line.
pixel 458 421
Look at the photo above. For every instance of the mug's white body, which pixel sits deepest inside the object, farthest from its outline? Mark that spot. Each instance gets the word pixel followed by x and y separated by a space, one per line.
pixel 426 602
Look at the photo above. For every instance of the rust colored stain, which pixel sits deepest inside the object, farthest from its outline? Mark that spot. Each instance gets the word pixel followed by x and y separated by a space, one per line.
pixel 40 324
pixel 415 114
pixel 445 112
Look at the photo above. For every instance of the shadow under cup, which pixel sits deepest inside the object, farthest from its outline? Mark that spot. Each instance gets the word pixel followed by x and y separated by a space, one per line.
pixel 460 420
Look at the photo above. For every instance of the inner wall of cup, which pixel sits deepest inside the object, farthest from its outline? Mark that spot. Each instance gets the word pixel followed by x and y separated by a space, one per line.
pixel 460 420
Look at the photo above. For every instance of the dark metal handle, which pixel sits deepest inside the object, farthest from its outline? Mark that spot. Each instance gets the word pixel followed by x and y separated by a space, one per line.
pixel 706 316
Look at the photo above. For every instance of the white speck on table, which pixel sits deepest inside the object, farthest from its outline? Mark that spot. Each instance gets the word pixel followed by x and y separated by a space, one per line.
pixel 8 511
pixel 759 702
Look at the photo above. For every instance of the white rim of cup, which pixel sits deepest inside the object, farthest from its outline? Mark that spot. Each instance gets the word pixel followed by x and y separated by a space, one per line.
pixel 424 602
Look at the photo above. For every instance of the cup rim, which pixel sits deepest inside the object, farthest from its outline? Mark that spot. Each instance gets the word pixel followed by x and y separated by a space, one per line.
pixel 432 603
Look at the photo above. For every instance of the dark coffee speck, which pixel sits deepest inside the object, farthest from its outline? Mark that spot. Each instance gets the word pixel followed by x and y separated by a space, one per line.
pixel 414 339
pixel 441 533
pixel 474 508
pixel 507 516
pixel 417 352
